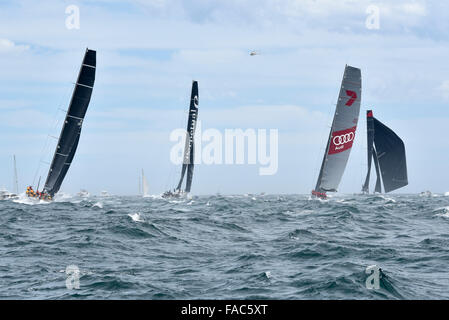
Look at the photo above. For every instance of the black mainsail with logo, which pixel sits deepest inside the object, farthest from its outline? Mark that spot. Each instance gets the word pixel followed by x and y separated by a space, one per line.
pixel 71 129
pixel 387 151
pixel 342 133
pixel 189 150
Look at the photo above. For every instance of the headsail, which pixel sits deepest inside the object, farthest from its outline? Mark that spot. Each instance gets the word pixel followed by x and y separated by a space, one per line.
pixel 189 151
pixel 342 132
pixel 71 130
pixel 388 152
pixel 146 189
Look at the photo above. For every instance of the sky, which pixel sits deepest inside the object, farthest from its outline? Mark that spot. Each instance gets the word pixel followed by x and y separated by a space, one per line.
pixel 149 51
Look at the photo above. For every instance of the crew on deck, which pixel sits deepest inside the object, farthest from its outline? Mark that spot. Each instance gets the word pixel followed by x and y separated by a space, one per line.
pixel 30 192
pixel 36 194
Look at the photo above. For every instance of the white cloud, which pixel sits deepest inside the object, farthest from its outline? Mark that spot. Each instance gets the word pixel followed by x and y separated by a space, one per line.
pixel 9 46
pixel 415 8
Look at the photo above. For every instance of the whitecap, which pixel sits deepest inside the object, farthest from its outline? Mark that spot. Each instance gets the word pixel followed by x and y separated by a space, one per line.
pixel 98 205
pixel 444 212
pixel 136 217
pixel 24 199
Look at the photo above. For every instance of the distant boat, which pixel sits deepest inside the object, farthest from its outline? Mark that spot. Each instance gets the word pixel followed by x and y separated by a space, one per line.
pixel 83 193
pixel 189 150
pixel 104 193
pixel 388 152
pixel 145 187
pixel 71 130
pixel 6 195
pixel 342 133
pixel 426 194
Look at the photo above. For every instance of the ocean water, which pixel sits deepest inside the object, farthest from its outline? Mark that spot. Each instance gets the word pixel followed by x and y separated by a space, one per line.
pixel 225 247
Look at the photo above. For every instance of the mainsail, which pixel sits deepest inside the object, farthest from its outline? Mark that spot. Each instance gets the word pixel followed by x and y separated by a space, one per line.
pixel 189 150
pixel 342 133
pixel 146 189
pixel 387 151
pixel 71 130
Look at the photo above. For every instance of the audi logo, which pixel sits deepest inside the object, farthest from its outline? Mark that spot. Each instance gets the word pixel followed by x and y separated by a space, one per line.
pixel 344 138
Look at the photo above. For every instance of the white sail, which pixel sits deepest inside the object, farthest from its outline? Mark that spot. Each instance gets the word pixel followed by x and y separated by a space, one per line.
pixel 342 132
pixel 146 189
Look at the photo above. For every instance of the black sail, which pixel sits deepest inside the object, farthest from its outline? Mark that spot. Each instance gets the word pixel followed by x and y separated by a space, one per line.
pixel 388 152
pixel 391 155
pixel 378 187
pixel 71 129
pixel 189 151
pixel 370 146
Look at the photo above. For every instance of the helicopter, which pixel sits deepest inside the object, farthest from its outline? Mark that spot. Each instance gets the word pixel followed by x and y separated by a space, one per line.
pixel 254 53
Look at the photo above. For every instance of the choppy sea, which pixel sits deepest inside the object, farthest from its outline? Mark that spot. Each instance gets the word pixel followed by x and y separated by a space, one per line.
pixel 225 247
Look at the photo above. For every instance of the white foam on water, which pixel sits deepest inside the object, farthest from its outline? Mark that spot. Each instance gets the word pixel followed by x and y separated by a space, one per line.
pixel 446 194
pixel 24 199
pixel 445 212
pixel 386 198
pixel 183 210
pixel 317 199
pixel 136 217
pixel 98 205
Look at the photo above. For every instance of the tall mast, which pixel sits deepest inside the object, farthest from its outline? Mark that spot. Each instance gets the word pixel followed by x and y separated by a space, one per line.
pixel 16 179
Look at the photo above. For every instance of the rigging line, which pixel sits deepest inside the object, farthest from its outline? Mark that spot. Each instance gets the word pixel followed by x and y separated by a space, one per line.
pixel 325 129
pixel 362 147
pixel 55 124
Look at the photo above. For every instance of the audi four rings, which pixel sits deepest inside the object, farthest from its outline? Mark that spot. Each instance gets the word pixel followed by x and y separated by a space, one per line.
pixel 344 138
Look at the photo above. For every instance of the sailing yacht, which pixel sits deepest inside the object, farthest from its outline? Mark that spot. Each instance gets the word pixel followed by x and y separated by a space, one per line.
pixel 189 150
pixel 387 151
pixel 145 187
pixel 83 193
pixel 342 133
pixel 71 130
pixel 5 194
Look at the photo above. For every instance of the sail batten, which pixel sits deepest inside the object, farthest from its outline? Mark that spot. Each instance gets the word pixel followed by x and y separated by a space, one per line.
pixel 342 133
pixel 71 129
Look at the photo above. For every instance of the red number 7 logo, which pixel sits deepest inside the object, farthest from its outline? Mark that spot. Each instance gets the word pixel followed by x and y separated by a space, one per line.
pixel 353 96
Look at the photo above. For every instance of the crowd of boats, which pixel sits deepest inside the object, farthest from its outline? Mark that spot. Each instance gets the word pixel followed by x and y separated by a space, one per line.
pixel 385 148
